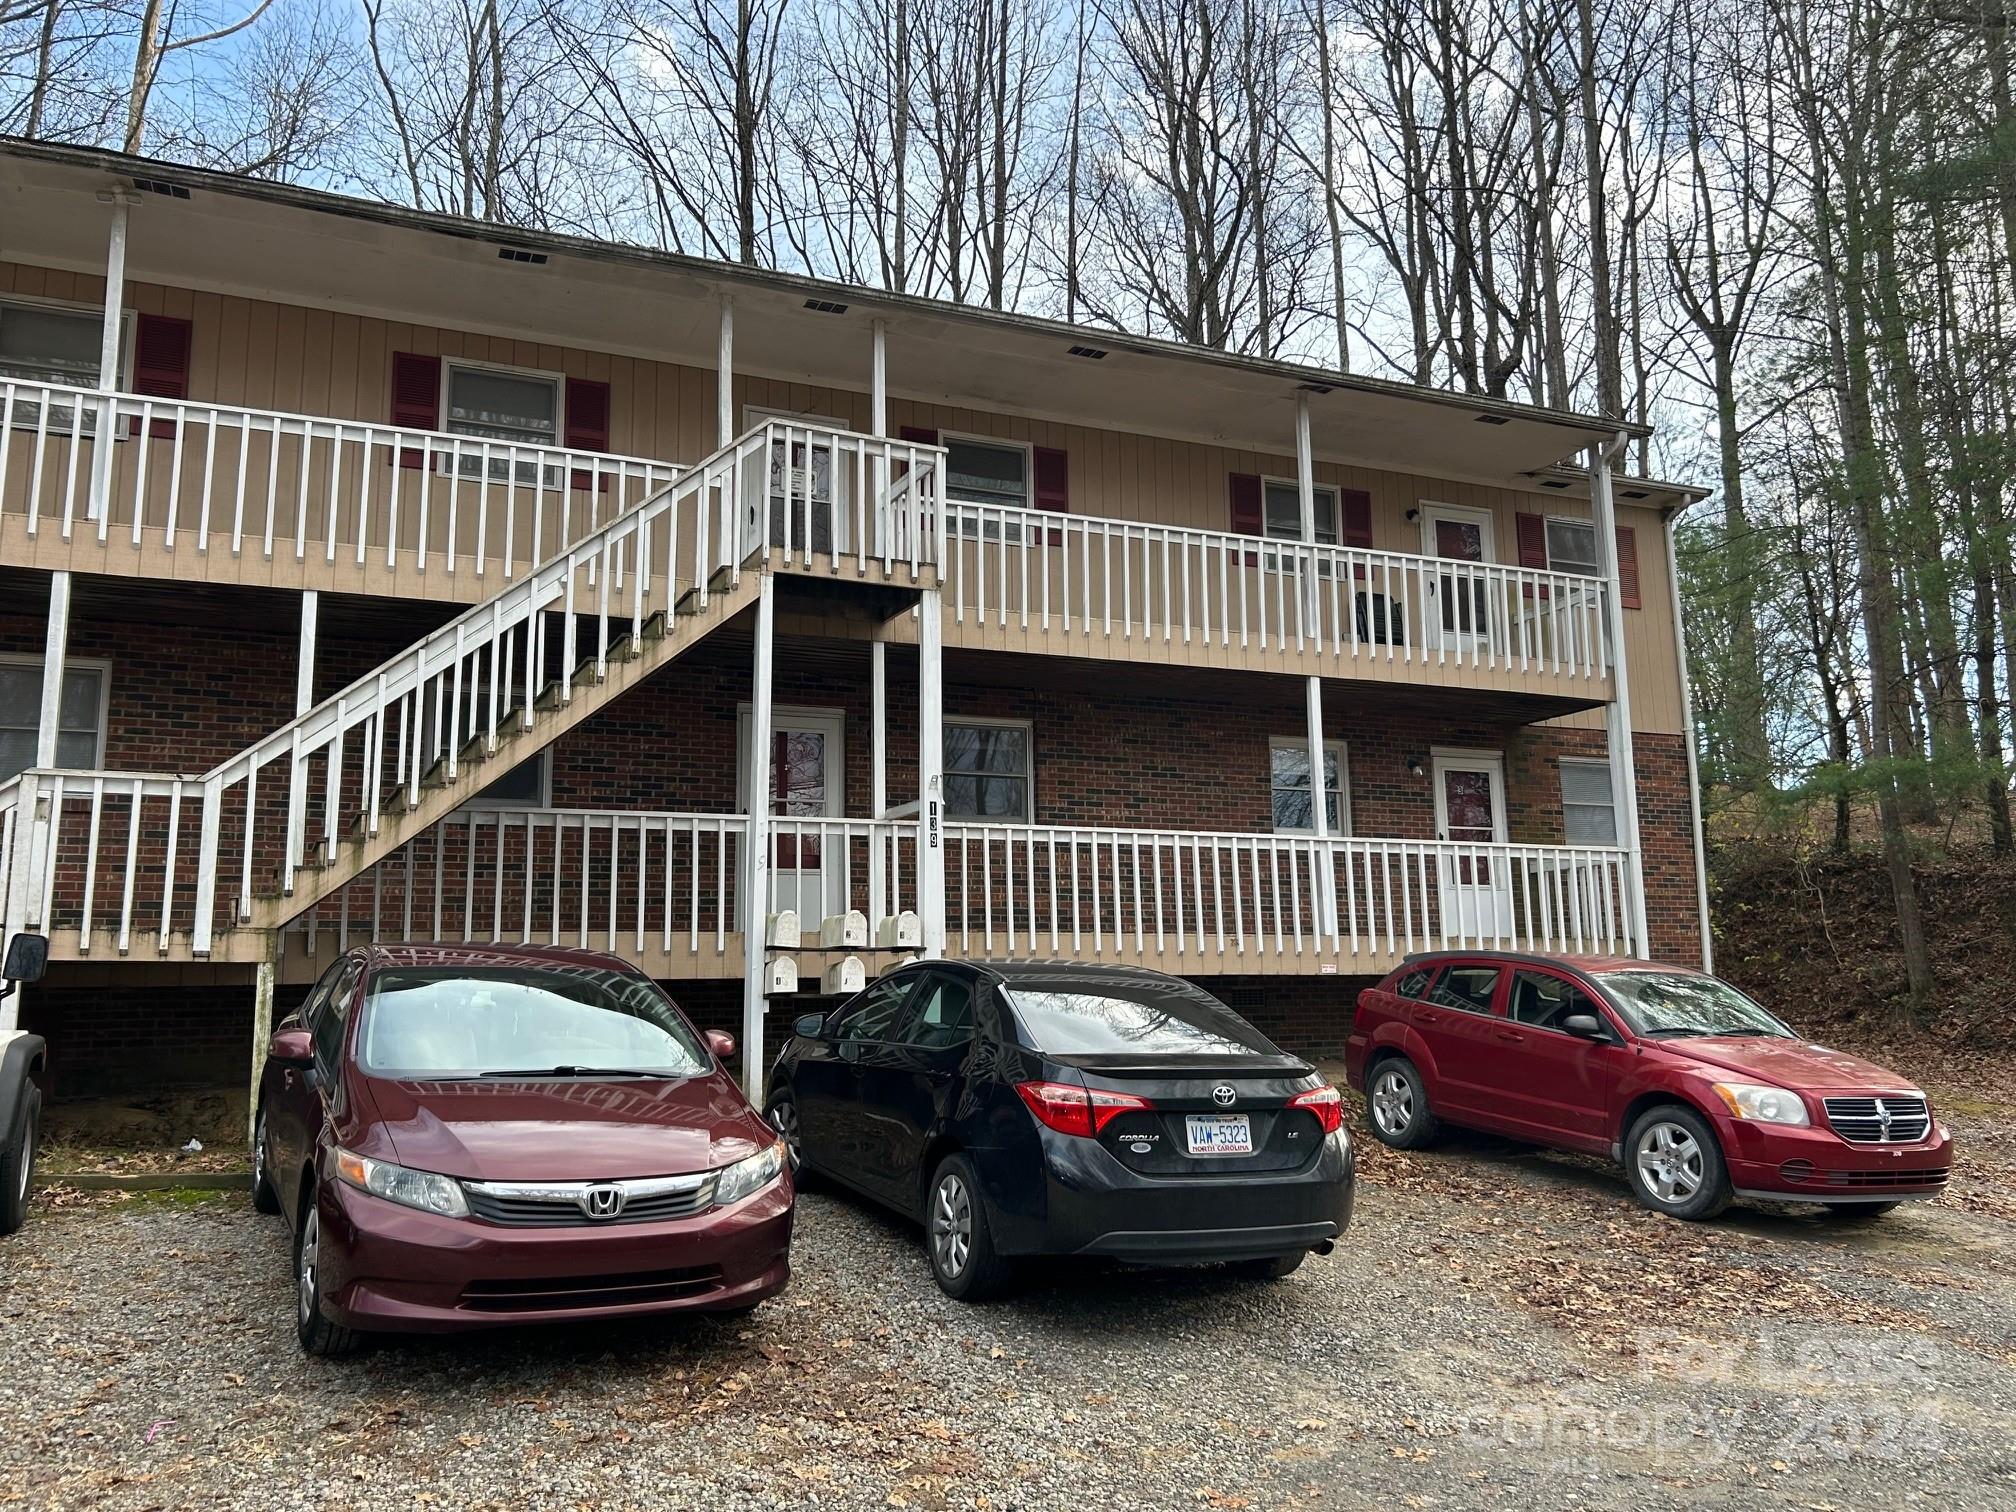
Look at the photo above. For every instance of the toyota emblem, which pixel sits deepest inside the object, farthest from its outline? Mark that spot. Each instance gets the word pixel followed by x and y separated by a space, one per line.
pixel 1223 1095
pixel 603 1201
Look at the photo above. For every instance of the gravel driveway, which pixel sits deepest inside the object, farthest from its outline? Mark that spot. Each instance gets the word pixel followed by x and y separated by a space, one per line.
pixel 1504 1329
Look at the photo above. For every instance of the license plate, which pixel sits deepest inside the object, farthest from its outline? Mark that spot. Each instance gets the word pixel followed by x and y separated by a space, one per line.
pixel 1220 1133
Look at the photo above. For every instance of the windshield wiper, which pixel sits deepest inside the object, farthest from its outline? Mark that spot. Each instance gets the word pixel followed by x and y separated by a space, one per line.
pixel 532 1073
pixel 1695 1031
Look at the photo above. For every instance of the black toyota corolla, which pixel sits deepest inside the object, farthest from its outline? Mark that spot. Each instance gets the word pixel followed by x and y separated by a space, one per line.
pixel 1057 1109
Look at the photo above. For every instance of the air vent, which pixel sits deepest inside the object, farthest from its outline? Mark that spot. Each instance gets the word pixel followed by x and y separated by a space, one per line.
pixel 1315 388
pixel 1494 419
pixel 1097 354
pixel 1636 493
pixel 1554 483
pixel 826 306
pixel 521 255
pixel 161 186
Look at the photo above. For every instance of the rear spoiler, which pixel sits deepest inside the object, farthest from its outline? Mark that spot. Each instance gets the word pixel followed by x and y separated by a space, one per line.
pixel 1193 1065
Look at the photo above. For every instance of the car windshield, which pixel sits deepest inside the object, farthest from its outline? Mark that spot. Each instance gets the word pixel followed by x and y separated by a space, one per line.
pixel 1129 1016
pixel 1679 1004
pixel 439 1023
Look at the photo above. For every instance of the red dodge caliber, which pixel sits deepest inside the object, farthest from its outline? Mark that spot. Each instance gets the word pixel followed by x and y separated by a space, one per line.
pixel 468 1137
pixel 1695 1089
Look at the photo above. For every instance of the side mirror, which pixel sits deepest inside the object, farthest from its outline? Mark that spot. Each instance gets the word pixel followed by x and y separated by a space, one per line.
pixel 27 958
pixel 809 1025
pixel 291 1047
pixel 721 1042
pixel 1583 1026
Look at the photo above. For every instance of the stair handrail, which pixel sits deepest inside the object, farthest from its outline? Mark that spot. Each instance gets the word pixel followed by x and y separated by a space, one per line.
pixel 731 526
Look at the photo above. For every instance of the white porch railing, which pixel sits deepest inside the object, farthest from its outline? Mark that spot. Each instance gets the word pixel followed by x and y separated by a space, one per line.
pixel 596 877
pixel 275 485
pixel 1140 583
pixel 1044 890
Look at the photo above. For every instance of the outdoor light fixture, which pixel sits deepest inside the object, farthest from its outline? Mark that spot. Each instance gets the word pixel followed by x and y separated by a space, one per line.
pixel 1416 767
pixel 1413 514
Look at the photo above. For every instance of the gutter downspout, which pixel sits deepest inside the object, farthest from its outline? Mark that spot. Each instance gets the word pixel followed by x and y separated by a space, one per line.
pixel 1693 758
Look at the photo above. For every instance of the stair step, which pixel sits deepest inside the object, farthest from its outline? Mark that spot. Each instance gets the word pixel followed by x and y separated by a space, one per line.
pixel 656 627
pixel 550 696
pixel 688 602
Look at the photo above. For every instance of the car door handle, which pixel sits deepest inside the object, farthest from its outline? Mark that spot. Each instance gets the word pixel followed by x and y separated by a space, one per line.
pixel 1512 1036
pixel 1423 1017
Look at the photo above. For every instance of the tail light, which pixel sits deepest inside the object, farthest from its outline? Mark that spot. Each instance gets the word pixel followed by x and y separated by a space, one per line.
pixel 1076 1110
pixel 1327 1103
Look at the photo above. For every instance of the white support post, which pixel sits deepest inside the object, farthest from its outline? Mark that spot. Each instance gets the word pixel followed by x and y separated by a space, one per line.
pixel 1693 759
pixel 879 904
pixel 724 377
pixel 262 1031
pixel 49 722
pixel 110 325
pixel 1617 713
pixel 21 868
pixel 930 774
pixel 1319 812
pixel 756 844
pixel 1305 488
pixel 878 380
pixel 304 661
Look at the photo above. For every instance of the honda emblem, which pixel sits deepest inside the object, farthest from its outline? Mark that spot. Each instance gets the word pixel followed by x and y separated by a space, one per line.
pixel 603 1201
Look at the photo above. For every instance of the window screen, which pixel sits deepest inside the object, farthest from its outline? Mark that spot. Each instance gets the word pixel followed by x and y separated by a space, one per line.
pixel 1571 546
pixel 987 771
pixel 1588 807
pixel 80 737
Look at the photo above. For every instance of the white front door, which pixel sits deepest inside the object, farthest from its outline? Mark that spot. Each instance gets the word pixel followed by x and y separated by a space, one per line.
pixel 808 767
pixel 805 484
pixel 1458 612
pixel 1475 885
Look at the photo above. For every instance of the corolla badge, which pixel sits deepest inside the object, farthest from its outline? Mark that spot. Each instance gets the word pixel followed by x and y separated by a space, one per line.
pixel 1223 1095
pixel 603 1201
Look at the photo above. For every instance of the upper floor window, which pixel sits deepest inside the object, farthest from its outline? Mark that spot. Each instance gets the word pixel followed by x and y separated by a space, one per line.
pixel 80 723
pixel 987 472
pixel 503 404
pixel 1588 805
pixel 988 770
pixel 1294 813
pixel 50 343
pixel 1282 502
pixel 1571 546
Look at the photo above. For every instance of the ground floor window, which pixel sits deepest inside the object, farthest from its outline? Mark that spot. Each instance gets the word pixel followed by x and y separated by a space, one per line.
pixel 989 770
pixel 1588 803
pixel 80 722
pixel 1294 809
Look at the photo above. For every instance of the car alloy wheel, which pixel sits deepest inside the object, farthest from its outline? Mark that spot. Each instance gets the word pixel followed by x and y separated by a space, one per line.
pixel 1670 1163
pixel 951 1225
pixel 259 1152
pixel 1392 1102
pixel 311 1243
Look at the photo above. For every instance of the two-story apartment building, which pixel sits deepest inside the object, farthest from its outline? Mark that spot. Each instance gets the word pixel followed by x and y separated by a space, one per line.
pixel 367 573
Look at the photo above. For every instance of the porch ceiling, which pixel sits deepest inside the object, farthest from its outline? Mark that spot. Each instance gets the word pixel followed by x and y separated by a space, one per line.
pixel 305 247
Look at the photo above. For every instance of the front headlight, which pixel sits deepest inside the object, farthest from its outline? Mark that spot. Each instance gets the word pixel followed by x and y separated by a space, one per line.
pixel 395 1183
pixel 1762 1104
pixel 750 1175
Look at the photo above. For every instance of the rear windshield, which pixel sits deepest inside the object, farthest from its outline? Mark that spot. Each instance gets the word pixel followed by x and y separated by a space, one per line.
pixel 1119 1016
pixel 446 1022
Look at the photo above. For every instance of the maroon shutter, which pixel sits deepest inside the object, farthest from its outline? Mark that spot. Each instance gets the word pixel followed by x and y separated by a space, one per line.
pixel 1053 484
pixel 1627 567
pixel 161 362
pixel 1532 530
pixel 1354 523
pixel 922 435
pixel 1248 511
pixel 588 425
pixel 416 398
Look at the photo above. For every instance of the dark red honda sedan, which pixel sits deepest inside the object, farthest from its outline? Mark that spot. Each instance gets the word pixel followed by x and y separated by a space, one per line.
pixel 464 1137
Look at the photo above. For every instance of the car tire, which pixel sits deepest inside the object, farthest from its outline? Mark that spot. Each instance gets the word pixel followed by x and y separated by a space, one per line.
pixel 959 1235
pixel 264 1198
pixel 17 1161
pixel 1396 1105
pixel 318 1335
pixel 1859 1212
pixel 1271 1268
pixel 1674 1164
pixel 782 1115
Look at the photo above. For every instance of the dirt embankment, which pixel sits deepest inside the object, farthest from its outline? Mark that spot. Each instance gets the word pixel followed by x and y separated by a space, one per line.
pixel 1816 935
